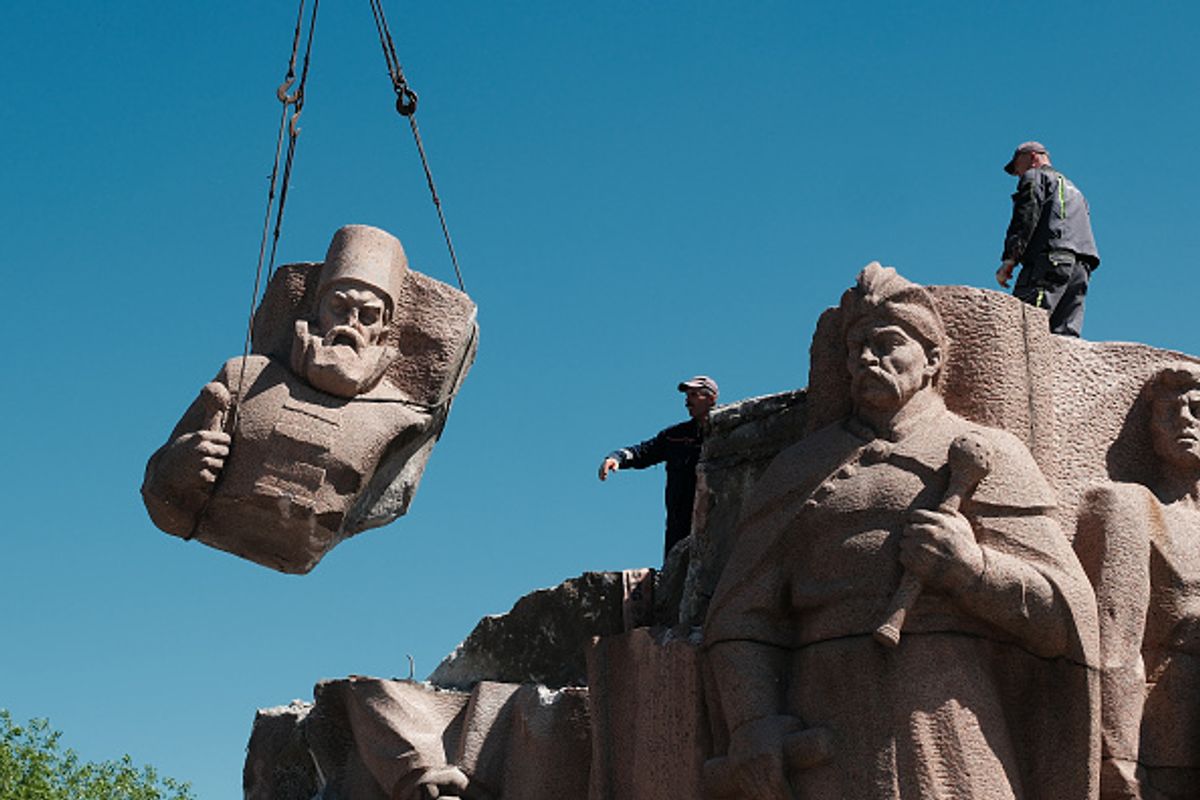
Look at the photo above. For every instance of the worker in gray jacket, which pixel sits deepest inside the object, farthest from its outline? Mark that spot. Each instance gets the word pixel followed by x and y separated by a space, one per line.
pixel 1050 236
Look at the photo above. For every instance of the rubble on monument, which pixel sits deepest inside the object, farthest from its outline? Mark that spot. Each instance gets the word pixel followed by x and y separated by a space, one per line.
pixel 656 727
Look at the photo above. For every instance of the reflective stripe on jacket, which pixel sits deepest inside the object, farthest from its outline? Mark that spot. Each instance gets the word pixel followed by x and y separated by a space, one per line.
pixel 1049 213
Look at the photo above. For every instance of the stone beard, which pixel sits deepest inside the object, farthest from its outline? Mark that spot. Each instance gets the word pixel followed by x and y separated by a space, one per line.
pixel 341 362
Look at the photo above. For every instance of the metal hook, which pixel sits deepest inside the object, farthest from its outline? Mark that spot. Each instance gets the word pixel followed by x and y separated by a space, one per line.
pixel 282 91
pixel 406 101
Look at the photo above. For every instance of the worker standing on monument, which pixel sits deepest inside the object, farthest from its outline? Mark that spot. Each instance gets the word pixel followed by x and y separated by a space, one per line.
pixel 679 447
pixel 1050 236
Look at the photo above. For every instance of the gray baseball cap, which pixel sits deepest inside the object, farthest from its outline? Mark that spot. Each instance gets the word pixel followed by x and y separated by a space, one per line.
pixel 702 382
pixel 1024 147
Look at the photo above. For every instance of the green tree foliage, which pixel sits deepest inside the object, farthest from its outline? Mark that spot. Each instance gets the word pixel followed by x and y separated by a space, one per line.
pixel 34 767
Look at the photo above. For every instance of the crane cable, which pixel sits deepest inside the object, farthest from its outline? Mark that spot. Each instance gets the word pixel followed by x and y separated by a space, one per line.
pixel 406 106
pixel 295 101
pixel 227 419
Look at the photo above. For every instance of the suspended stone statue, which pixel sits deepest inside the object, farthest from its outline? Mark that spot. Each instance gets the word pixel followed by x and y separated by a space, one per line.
pixel 355 362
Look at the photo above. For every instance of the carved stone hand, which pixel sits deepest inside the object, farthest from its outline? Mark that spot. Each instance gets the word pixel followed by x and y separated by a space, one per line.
pixel 939 547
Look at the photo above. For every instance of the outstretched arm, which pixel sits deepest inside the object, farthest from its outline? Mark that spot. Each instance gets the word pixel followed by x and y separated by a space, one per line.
pixel 637 456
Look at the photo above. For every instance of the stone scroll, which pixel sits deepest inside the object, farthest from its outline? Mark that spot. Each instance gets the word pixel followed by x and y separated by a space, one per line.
pixel 325 429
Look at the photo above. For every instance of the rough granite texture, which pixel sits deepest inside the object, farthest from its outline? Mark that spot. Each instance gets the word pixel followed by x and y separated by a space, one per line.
pixel 899 611
pixel 741 442
pixel 1140 544
pixel 543 639
pixel 325 447
pixel 653 717
pixel 375 739
pixel 649 729
pixel 278 765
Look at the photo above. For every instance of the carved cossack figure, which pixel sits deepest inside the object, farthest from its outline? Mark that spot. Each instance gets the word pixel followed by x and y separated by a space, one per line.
pixel 333 417
pixel 1141 546
pixel 990 690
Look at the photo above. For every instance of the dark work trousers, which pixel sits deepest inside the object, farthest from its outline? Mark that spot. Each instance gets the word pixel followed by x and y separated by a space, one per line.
pixel 1057 282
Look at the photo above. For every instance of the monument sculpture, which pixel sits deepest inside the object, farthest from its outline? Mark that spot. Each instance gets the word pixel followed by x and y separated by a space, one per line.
pixel 1141 547
pixel 324 431
pixel 988 689
pixel 899 613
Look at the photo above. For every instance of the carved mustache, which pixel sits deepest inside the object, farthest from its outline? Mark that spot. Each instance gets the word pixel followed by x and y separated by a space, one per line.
pixel 879 374
pixel 344 334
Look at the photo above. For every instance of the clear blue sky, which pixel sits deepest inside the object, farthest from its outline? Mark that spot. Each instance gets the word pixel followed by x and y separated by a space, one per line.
pixel 638 192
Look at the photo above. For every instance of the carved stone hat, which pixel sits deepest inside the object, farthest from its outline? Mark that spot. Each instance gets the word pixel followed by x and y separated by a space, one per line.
pixel 882 293
pixel 368 256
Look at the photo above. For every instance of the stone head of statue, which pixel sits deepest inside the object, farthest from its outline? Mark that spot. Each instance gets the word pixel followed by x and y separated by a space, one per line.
pixel 895 339
pixel 360 284
pixel 1175 417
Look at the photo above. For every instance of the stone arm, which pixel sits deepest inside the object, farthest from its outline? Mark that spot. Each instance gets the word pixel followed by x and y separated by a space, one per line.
pixel 1015 579
pixel 765 744
pixel 751 680
pixel 1028 200
pixel 1114 547
pixel 181 474
pixel 748 655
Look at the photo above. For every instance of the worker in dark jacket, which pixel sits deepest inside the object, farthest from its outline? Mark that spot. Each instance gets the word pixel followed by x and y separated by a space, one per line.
pixel 1050 236
pixel 679 447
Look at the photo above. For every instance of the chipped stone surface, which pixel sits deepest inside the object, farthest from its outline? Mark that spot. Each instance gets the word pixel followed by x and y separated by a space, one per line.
pixel 278 765
pixel 375 739
pixel 543 638
pixel 355 363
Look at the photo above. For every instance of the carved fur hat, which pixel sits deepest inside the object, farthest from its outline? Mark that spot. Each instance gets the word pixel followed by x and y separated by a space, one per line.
pixel 368 256
pixel 882 294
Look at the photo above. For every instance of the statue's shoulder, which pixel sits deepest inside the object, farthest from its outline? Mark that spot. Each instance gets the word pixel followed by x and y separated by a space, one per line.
pixel 1014 480
pixel 236 369
pixel 1115 496
pixel 799 467
pixel 1120 512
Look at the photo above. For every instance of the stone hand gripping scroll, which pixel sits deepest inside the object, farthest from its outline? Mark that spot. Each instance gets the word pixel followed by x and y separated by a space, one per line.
pixel 970 460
